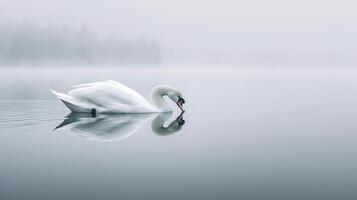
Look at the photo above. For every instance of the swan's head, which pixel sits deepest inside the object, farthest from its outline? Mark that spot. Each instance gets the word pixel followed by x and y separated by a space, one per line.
pixel 163 90
pixel 176 96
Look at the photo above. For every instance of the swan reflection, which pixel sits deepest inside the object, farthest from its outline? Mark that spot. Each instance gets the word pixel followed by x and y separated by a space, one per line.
pixel 117 127
pixel 157 125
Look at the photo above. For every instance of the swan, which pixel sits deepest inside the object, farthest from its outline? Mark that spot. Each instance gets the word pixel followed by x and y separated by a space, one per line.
pixel 114 97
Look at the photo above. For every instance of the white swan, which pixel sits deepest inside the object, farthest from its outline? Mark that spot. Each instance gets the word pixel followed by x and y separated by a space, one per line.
pixel 114 97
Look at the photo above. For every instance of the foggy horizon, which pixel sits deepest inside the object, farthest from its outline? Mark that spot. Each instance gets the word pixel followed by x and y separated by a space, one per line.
pixel 29 43
pixel 239 33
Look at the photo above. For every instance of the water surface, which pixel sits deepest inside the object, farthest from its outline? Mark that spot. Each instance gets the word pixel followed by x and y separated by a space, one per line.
pixel 248 134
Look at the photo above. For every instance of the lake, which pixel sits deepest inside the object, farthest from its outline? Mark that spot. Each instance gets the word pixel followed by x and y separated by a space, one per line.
pixel 249 133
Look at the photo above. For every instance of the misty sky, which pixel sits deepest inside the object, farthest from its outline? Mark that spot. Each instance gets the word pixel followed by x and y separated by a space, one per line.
pixel 311 32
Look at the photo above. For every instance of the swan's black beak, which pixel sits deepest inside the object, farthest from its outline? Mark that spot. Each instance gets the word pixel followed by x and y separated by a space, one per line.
pixel 180 103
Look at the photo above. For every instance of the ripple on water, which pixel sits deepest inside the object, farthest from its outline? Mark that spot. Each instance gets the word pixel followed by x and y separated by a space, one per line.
pixel 15 114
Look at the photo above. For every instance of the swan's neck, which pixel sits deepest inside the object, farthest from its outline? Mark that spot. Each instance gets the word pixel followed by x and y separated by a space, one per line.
pixel 157 98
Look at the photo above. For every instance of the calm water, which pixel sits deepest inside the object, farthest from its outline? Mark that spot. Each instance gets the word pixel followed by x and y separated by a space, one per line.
pixel 248 134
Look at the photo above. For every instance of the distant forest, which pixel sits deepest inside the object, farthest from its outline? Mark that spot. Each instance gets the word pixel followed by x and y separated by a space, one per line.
pixel 33 44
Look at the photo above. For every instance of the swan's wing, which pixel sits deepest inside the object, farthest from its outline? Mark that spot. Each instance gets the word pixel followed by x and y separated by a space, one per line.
pixel 110 95
pixel 74 104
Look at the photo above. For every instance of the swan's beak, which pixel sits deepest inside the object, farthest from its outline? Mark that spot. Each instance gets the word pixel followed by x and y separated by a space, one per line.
pixel 180 103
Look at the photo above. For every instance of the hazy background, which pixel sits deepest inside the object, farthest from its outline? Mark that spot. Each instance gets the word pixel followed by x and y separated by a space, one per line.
pixel 238 33
pixel 270 90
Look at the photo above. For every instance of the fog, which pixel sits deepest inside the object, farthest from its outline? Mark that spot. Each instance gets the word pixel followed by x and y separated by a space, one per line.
pixel 238 33
pixel 270 92
pixel 28 43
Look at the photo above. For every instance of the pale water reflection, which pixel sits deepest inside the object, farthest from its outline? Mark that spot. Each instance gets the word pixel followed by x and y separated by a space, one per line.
pixel 259 133
pixel 117 127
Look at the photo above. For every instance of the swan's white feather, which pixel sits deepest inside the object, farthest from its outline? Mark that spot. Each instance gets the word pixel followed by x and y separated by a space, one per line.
pixel 75 105
pixel 105 97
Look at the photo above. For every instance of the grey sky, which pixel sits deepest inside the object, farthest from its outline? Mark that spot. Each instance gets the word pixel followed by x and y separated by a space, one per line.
pixel 314 32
